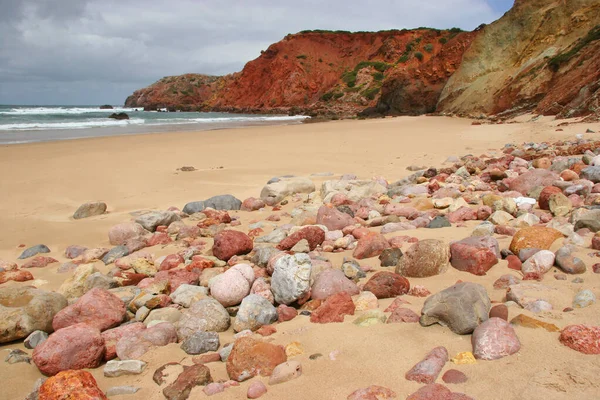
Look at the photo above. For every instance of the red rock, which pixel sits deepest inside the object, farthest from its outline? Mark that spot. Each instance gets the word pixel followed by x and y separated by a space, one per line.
pixel 419 291
pixel 250 357
pixel 359 232
pixel 582 338
pixel 206 358
pixel 74 251
pixel 428 369
pixel 596 268
pixel 121 233
pixel 514 262
pixel 256 389
pixel 504 230
pixel 98 308
pixel 484 212
pixel 286 313
pixel 135 345
pixel 230 243
pixel 39 262
pixel 398 241
pixel 499 311
pixel 403 315
pixel 494 339
pixel 462 214
pixel 474 254
pixel 333 219
pixel 454 376
pixel 192 376
pixel 170 262
pixel 531 179
pixel 128 278
pixel 387 284
pixel 545 194
pixel 177 277
pixel 158 238
pixel 313 234
pixel 373 392
pixel 252 204
pixel 200 263
pixel 398 302
pixel 188 231
pixel 71 385
pixel 15 275
pixel 266 330
pixel 333 309
pixel 74 347
pixel 569 175
pixel 112 336
pixel 436 391
pixel 220 216
pixel 370 245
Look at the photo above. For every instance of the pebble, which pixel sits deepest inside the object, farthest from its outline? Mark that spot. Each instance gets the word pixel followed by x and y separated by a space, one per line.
pixel 584 299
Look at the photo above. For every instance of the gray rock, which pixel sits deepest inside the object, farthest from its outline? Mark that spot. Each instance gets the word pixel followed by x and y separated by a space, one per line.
pixel 17 356
pixel 154 219
pixel 194 207
pixel 121 390
pixel 390 257
pixel 274 192
pixel 584 298
pixel 114 368
pixel 528 252
pixel 33 395
pixel 591 174
pixel 352 270
pixel 114 254
pixel 207 315
pixel 34 250
pixel 262 255
pixel 99 280
pixel 254 312
pixel 439 222
pixel 34 339
pixel 291 278
pixel 587 219
pixel 186 294
pixel 461 307
pixel 90 209
pixel 225 351
pixel 201 342
pixel 569 263
pixel 274 237
pixel 223 202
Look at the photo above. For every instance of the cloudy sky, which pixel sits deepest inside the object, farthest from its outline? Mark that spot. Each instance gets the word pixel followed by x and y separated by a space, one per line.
pixel 99 51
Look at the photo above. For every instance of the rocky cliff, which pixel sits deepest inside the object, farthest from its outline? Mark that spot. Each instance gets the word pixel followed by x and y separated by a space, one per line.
pixel 542 56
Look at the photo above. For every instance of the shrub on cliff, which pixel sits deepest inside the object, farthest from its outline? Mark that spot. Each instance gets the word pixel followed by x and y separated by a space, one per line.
pixel 419 56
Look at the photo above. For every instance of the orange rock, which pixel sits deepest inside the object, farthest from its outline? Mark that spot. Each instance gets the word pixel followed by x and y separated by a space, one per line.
pixel 250 357
pixel 528 322
pixel 534 236
pixel 71 385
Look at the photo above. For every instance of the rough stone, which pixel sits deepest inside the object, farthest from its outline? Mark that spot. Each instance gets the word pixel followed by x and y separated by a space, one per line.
pixel 98 308
pixel 494 339
pixel 387 284
pixel 425 258
pixel 250 357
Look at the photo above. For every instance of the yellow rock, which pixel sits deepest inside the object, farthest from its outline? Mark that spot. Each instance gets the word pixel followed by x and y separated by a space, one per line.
pixel 464 358
pixel 293 349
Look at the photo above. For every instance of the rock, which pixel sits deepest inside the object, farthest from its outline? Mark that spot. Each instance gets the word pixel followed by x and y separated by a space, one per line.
pixel 461 307
pixel 439 222
pixel 528 322
pixel 114 368
pixel 435 391
pixel 132 347
pixel 112 336
pixel 559 205
pixel 475 254
pixel 544 198
pixel 373 392
pixel 151 220
pixel 186 294
pixel 584 299
pixel 370 245
pixel 285 372
pixel 539 263
pixel 525 294
pixel 34 339
pixel 230 243
pixel 499 311
pixel 121 233
pixel 24 310
pixel 201 342
pixel 291 278
pixel 312 234
pixel 366 301
pixel 121 390
pixel 39 262
pixel 74 347
pixel 286 313
pixel 99 281
pixel 167 314
pixel 206 315
pixel 582 338
pixel 371 317
pixel 74 286
pixel 274 192
pixel 390 257
pixel 71 385
pixel 256 389
pixel 114 254
pixel 428 369
pixel 15 275
pixel 90 209
pixel 494 339
pixel 387 284
pixel 33 251
pixel 332 281
pixel 514 262
pixel 98 308
pixel 230 287
pixel 333 219
pixel 255 311
pixel 17 356
pixel 403 315
pixel 119 116
pixel 568 263
pixel 192 376
pixel 505 281
pixel 252 204
pixel 454 376
pixel 425 258
pixel 591 174
pixel 352 270
pixel 529 180
pixel 333 309
pixel 250 357
pixel 536 236
pixel 500 218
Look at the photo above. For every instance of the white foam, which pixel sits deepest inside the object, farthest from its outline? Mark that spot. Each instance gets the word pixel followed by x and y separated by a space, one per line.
pixel 61 110
pixel 70 125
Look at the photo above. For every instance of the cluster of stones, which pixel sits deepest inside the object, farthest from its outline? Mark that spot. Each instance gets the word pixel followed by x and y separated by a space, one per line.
pixel 251 281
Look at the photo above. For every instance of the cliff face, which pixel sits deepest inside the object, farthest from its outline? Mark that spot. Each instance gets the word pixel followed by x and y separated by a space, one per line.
pixel 541 56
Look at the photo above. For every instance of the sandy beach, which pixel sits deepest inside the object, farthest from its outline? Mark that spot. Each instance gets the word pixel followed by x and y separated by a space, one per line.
pixel 44 183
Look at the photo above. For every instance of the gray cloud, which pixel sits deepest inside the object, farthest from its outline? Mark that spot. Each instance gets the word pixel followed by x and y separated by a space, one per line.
pixel 91 51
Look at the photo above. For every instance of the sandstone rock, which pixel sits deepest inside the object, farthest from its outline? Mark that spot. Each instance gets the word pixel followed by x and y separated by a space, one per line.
pixel 206 315
pixel 529 180
pixel 332 281
pixel 569 263
pixel 312 234
pixel 98 308
pixel 371 317
pixel 250 357
pixel 545 194
pixel 461 307
pixel 366 301
pixel 252 204
pixel 528 322
pixel 186 294
pixel 39 262
pixel 113 368
pixel 255 311
pixel 582 338
pixel 370 245
pixel 387 284
pixel 192 376
pixel 428 369
pixel 425 258
pixel 121 233
pixel 475 254
pixel 559 205
pixel 291 278
pixel 15 275
pixel 74 347
pixel 74 286
pixel 167 314
pixel 454 376
pixel 494 339
pixel 24 310
pixel 71 385
pixel 90 209
pixel 534 237
pixel 230 243
pixel 333 309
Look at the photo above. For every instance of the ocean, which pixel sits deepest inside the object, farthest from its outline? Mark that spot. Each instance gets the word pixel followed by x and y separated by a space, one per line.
pixel 25 124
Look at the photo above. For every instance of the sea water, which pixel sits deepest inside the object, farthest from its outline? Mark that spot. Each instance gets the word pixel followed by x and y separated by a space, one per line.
pixel 23 124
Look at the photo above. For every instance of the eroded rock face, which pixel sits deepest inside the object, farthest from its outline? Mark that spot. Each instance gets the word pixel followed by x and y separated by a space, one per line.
pixel 25 310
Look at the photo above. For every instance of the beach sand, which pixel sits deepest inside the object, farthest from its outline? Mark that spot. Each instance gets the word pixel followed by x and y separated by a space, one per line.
pixel 44 183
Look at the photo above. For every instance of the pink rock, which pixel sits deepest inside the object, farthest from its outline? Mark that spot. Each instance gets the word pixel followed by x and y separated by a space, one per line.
pixel 505 281
pixel 401 211
pixel 333 309
pixel 98 308
pixel 262 288
pixel 39 262
pixel 230 288
pixel 158 238
pixel 386 284
pixel 462 214
pixel 428 369
pixel 333 219
pixel 286 313
pixel 373 392
pixel 514 262
pixel 403 315
pixel 454 376
pixel 121 233
pixel 74 347
pixel 330 282
pixel 229 243
pixel 398 241
pixel 505 230
pixel 177 277
pixel 483 212
pixel 370 245
pixel 256 389
pixel 494 339
pixel 539 263
pixel 74 251
pixel 436 391
pixel 252 204
pixel 398 302
pixel 313 234
pixel 170 262
pixel 213 388
pixel 112 336
pixel 582 338
pixel 531 179
pixel 499 311
pixel 419 291
pixel 475 254
pixel 133 346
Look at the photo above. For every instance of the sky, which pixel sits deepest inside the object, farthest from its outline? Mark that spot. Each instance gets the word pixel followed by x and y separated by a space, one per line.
pixel 99 51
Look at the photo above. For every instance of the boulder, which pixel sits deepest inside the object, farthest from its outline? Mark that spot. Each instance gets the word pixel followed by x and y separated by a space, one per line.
pixel 425 258
pixel 90 209
pixel 494 339
pixel 71 384
pixel 534 237
pixel 229 243
pixel 475 254
pixel 98 308
pixel 291 278
pixel 250 357
pixel 206 315
pixel 387 285
pixel 531 179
